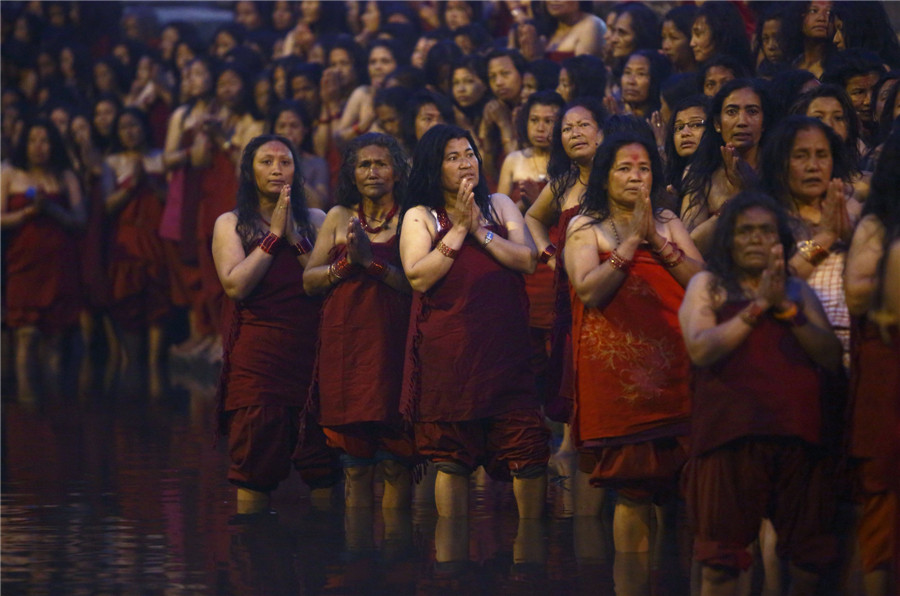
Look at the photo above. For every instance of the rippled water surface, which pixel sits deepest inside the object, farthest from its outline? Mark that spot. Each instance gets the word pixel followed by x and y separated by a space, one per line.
pixel 111 492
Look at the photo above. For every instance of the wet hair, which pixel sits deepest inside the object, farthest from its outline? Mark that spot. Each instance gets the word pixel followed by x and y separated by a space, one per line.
pixel 866 25
pixel 720 260
pixel 357 56
pixel 660 68
pixel 411 111
pixel 676 165
pixel 851 63
pixel 773 13
pixel 644 23
pixel 775 159
pixel 439 64
pixel 478 36
pixel 538 98
pixel 727 30
pixel 682 17
pixel 792 32
pixel 738 69
pixel 401 58
pixel 58 161
pixel 393 97
pixel 291 105
pixel 477 66
pixel 245 100
pixel 143 122
pixel 887 116
pixel 853 127
pixel 514 55
pixel 679 86
pixel 708 157
pixel 561 170
pixel 347 193
pixel 784 89
pixel 596 199
pixel 587 76
pixel 248 192
pixel 212 67
pixel 546 73
pixel 425 178
pixel 235 30
pixel 408 77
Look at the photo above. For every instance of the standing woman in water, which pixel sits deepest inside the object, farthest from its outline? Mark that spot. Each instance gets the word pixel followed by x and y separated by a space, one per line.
pixel 271 327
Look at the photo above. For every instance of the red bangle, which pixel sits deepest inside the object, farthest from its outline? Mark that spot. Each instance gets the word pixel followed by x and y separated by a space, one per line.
pixel 751 314
pixel 377 269
pixel 447 251
pixel 340 269
pixel 618 262
pixel 548 253
pixel 303 246
pixel 270 243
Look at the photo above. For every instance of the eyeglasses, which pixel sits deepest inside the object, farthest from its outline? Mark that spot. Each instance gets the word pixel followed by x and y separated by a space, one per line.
pixel 694 125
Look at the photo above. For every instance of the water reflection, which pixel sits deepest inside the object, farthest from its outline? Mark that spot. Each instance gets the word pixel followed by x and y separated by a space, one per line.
pixel 109 490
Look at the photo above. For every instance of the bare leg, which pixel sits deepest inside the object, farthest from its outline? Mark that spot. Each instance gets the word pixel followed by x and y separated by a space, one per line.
pixel 803 583
pixel 771 564
pixel 876 582
pixel 718 582
pixel 155 372
pixel 631 536
pixel 251 501
pixel 451 495
pixel 423 490
pixel 530 495
pixel 27 340
pixel 588 499
pixel 358 486
pixel 53 356
pixel 397 486
pixel 529 547
pixel 451 539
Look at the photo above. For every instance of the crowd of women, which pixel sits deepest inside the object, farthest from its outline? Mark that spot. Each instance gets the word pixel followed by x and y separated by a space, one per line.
pixel 411 233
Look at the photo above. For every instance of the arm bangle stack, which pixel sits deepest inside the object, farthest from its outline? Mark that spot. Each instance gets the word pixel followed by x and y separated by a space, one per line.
pixel 340 270
pixel 548 253
pixel 377 269
pixel 303 246
pixel 445 250
pixel 617 262
pixel 813 252
pixel 270 243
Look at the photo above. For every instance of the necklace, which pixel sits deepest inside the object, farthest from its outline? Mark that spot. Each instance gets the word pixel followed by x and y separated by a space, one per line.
pixel 612 223
pixel 365 224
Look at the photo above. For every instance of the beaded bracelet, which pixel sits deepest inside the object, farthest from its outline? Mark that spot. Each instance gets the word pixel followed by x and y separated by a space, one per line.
pixel 303 246
pixel 447 251
pixel 813 252
pixel 548 253
pixel 270 243
pixel 377 269
pixel 616 260
pixel 675 259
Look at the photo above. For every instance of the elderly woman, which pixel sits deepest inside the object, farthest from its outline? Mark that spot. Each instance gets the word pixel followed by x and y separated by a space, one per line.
pixel 628 262
pixel 40 210
pixel 363 332
pixel 271 326
pixel 808 169
pixel 470 391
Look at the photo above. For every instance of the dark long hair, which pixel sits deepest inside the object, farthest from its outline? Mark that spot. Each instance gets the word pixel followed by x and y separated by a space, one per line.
pixel 425 177
pixel 141 116
pixel 884 198
pixel 290 105
pixel 587 76
pixel 561 170
pixel 776 155
pixel 851 144
pixel 720 261
pixel 660 69
pixel 347 192
pixel 59 159
pixel 538 98
pixel 727 28
pixel 708 157
pixel 675 164
pixel 248 192
pixel 596 199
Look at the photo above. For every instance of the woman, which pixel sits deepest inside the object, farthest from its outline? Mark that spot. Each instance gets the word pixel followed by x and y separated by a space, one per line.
pixel 832 105
pixel 260 250
pixel 364 322
pixel 875 380
pixel 290 120
pixel 628 262
pixel 676 38
pixel 636 28
pixel 808 168
pixel 808 30
pixel 719 29
pixel 683 134
pixel 106 109
pixel 424 110
pixel 359 114
pixel 577 31
pixel 581 76
pixel 343 74
pixel 768 44
pixel 642 76
pixel 470 93
pixel 185 153
pixel 463 252
pixel 134 191
pixel 40 211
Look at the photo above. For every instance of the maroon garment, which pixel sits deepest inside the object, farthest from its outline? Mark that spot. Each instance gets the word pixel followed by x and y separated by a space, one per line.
pixel 538 285
pixel 362 341
pixel 746 394
pixel 270 340
pixel 42 275
pixel 93 243
pixel 468 351
pixel 138 270
pixel 558 57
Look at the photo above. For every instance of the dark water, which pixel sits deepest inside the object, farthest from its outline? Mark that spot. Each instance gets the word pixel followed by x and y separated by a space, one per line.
pixel 107 491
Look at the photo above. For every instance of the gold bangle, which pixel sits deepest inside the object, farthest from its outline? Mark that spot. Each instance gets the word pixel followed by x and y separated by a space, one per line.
pixel 812 251
pixel 617 262
pixel 445 250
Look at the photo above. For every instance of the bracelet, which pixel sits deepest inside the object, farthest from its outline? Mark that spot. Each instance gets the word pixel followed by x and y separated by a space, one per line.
pixel 793 315
pixel 548 253
pixel 812 252
pixel 675 258
pixel 340 270
pixel 751 314
pixel 303 246
pixel 662 248
pixel 270 243
pixel 487 239
pixel 618 262
pixel 447 251
pixel 377 269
